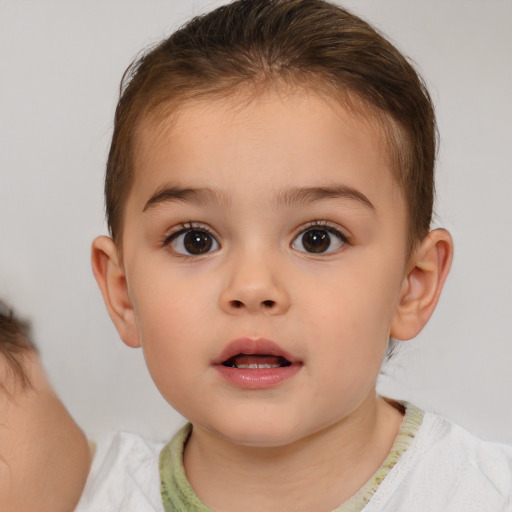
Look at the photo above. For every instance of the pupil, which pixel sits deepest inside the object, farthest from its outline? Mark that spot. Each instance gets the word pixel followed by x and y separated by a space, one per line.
pixel 197 242
pixel 316 240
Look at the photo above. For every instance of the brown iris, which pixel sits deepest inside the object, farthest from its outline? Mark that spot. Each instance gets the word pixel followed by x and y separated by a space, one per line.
pixel 316 240
pixel 197 242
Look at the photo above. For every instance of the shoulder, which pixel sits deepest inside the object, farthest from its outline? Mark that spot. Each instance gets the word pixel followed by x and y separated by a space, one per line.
pixel 466 453
pixel 448 468
pixel 124 476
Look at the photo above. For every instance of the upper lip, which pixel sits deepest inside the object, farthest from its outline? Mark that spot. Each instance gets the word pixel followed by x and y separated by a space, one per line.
pixel 253 346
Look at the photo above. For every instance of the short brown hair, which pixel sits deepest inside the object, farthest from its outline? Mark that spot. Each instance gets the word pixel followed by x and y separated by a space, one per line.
pixel 14 343
pixel 308 43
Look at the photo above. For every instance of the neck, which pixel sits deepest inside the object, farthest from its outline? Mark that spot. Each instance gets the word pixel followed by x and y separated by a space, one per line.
pixel 318 473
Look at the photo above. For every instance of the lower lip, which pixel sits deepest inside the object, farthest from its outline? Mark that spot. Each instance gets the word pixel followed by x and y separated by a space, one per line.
pixel 258 378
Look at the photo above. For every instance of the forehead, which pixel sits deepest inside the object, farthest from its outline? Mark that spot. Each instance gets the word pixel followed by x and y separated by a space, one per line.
pixel 278 139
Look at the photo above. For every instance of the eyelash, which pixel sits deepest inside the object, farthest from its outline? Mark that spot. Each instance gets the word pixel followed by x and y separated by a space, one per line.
pixel 324 224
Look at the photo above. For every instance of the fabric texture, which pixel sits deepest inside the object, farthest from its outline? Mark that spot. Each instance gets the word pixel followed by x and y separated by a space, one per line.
pixel 178 495
pixel 434 466
pixel 124 476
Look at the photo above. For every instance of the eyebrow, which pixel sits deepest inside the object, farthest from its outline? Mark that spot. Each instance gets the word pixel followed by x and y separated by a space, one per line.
pixel 295 196
pixel 304 195
pixel 185 194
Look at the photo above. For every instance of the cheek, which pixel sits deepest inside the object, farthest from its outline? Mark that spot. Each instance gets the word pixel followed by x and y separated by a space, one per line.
pixel 355 309
pixel 171 353
pixel 168 329
pixel 160 317
pixel 168 304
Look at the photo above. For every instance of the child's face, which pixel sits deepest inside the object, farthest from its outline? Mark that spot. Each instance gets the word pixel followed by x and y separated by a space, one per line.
pixel 271 227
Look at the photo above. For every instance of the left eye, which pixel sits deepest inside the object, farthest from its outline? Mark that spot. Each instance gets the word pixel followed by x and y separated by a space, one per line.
pixel 193 242
pixel 319 240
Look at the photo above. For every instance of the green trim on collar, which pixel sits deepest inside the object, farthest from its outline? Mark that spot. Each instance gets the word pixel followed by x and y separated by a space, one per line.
pixel 410 425
pixel 178 495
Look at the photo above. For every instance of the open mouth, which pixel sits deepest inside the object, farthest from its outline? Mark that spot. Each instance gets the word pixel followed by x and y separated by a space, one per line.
pixel 256 364
pixel 256 361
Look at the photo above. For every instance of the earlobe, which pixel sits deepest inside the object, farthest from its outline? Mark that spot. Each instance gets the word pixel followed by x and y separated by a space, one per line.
pixel 111 278
pixel 423 283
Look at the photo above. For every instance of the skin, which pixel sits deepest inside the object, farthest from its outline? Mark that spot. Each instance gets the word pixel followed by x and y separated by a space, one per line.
pixel 313 440
pixel 44 456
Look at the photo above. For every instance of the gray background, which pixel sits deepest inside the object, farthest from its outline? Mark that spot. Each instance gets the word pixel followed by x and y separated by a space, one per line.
pixel 61 63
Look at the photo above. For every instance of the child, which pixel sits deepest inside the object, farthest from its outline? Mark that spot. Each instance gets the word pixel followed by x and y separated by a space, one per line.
pixel 44 456
pixel 269 195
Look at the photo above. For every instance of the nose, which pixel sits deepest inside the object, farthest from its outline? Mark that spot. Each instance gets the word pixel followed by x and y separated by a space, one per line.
pixel 254 285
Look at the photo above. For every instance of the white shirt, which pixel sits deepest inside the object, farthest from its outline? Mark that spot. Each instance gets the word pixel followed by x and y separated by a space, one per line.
pixel 443 469
pixel 124 476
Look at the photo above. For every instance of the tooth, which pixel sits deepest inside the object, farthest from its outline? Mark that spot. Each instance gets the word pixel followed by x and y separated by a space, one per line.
pixel 255 366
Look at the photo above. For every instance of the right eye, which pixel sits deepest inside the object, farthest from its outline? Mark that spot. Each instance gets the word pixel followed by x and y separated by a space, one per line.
pixel 193 242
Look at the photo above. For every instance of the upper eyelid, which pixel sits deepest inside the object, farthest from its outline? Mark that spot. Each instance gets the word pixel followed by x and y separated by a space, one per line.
pixel 330 226
pixel 183 227
pixel 191 226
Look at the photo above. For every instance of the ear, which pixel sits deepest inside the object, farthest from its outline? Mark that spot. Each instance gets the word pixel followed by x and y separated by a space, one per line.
pixel 110 275
pixel 428 268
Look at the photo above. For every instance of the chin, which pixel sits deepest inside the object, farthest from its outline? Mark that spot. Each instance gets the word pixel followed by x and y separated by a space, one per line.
pixel 257 434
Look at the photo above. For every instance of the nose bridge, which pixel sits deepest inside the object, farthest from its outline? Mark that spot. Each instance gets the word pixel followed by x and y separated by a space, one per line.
pixel 254 283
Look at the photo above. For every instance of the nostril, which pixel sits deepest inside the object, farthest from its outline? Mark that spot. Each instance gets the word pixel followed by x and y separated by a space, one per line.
pixel 265 304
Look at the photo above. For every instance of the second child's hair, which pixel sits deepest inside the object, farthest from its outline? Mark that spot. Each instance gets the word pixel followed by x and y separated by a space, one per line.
pixel 305 44
pixel 14 344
